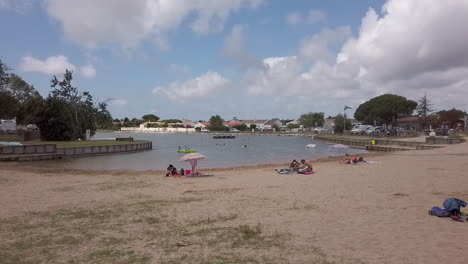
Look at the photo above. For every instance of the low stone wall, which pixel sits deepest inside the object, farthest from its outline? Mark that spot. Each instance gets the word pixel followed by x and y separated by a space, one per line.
pixel 347 142
pixel 103 150
pixel 28 149
pixel 398 143
pixel 442 140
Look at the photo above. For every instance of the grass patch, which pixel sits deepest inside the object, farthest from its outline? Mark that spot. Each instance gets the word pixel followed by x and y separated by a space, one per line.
pixel 141 230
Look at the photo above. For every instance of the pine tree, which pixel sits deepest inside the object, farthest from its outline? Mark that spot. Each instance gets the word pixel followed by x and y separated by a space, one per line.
pixel 424 110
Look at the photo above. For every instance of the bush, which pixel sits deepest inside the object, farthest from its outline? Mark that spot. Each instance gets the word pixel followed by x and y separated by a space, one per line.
pixel 56 120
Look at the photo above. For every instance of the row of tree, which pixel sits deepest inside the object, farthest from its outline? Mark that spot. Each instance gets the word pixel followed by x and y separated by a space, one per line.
pixel 388 108
pixel 65 114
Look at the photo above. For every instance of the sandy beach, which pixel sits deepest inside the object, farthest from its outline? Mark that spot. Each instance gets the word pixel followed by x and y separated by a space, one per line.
pixel 370 213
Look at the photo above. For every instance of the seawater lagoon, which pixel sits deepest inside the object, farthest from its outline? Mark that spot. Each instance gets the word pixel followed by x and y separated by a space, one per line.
pixel 244 150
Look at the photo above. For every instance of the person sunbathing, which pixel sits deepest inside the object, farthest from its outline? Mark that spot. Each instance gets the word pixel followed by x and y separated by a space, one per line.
pixel 346 160
pixel 294 166
pixel 169 170
pixel 305 166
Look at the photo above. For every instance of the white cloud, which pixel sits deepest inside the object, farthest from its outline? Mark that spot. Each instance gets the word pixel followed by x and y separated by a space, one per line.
pixel 317 46
pixel 234 48
pixel 51 65
pixel 293 18
pixel 55 65
pixel 88 71
pixel 118 102
pixel 410 48
pixel 316 16
pixel 202 86
pixel 127 23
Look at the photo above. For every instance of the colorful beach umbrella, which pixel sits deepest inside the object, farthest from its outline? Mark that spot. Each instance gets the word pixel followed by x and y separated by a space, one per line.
pixel 193 158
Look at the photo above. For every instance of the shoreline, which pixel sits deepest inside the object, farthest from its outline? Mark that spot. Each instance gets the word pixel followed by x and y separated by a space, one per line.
pixel 30 166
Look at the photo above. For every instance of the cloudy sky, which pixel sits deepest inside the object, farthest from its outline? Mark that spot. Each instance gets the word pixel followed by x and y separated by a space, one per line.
pixel 241 58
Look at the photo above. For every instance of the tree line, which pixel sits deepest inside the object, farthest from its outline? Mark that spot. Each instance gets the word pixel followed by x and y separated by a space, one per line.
pixel 65 114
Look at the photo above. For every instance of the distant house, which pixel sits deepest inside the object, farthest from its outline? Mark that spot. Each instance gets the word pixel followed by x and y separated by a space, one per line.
pixel 201 124
pixel 270 124
pixel 232 123
pixel 410 123
pixel 188 123
pixel 329 123
pixel 259 123
pixel 8 125
pixel 145 124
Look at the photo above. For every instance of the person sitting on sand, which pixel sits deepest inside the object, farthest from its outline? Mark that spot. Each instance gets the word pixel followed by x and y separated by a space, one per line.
pixel 169 170
pixel 346 160
pixel 305 166
pixel 294 166
pixel 174 171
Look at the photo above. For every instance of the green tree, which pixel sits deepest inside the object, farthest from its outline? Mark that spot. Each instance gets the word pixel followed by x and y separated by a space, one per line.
pixel 450 116
pixel 216 124
pixel 172 121
pixel 85 112
pixel 55 120
pixel 424 111
pixel 8 105
pixel 29 110
pixel 340 123
pixel 292 126
pixel 312 120
pixel 67 91
pixel 20 89
pixel 241 127
pixel 385 109
pixel 253 126
pixel 4 75
pixel 150 118
pixel 103 117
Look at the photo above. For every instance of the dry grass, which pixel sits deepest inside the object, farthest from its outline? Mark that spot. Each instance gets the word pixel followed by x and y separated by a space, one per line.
pixel 109 234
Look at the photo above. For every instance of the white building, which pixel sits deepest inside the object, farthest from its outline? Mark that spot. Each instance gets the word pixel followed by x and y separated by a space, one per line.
pixel 259 123
pixel 8 125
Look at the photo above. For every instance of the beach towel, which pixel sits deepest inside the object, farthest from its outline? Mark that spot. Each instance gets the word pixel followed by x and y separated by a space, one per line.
pixel 284 171
pixel 437 211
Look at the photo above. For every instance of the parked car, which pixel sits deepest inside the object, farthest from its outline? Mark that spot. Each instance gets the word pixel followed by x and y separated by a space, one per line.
pixel 371 131
pixel 205 129
pixel 358 129
pixel 233 130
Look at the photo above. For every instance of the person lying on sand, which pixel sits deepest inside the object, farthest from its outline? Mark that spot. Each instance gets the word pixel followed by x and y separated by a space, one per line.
pixel 305 166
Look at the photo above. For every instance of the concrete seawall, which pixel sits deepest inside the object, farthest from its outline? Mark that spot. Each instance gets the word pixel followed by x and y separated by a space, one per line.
pixel 381 144
pixel 50 151
pixel 103 150
pixel 28 149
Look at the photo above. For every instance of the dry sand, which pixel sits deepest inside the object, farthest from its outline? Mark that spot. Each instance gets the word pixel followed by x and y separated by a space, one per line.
pixel 371 213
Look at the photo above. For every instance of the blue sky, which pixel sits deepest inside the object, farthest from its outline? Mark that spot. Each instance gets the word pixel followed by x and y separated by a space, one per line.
pixel 239 58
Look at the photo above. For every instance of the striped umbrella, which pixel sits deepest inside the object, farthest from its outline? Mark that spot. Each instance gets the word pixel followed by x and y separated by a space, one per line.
pixel 193 158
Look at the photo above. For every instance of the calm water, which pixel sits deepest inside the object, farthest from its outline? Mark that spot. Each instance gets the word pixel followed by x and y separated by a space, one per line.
pixel 219 152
